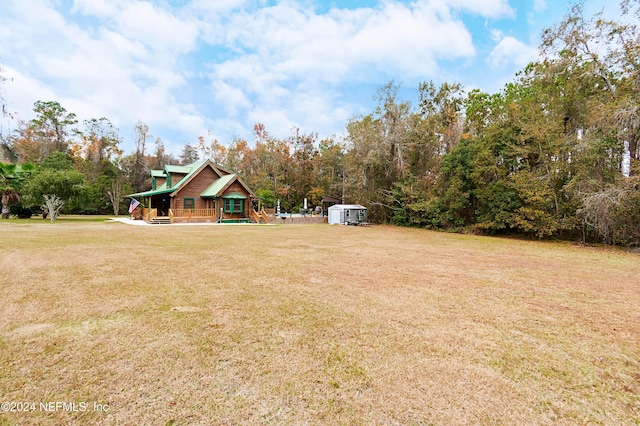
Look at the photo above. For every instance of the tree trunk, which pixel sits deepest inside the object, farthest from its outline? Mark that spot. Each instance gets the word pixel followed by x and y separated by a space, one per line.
pixel 5 206
pixel 115 195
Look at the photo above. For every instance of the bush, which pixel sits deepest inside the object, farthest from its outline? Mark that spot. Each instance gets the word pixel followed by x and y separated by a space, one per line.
pixel 20 211
pixel 614 213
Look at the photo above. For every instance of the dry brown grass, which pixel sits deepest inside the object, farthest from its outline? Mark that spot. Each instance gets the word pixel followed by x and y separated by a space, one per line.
pixel 314 325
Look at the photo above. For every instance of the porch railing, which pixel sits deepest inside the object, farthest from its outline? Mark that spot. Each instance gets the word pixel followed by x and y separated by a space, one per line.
pixel 189 213
pixel 255 216
pixel 263 214
pixel 153 213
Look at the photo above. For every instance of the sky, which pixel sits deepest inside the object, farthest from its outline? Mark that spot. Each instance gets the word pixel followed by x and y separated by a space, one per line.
pixel 215 68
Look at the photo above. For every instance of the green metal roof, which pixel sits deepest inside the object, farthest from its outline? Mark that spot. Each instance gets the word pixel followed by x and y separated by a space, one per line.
pixel 158 173
pixel 190 169
pixel 181 169
pixel 214 189
pixel 235 196
pixel 162 189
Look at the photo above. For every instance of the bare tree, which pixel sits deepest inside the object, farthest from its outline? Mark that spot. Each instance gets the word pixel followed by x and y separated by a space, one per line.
pixel 115 195
pixel 53 204
pixel 598 211
pixel 140 169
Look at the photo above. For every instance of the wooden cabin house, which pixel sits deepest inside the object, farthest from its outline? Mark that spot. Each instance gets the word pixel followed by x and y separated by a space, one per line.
pixel 198 192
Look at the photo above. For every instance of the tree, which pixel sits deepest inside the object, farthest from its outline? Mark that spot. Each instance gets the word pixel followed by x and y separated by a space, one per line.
pixel 7 151
pixel 189 154
pixel 8 193
pixel 213 151
pixel 52 125
pixel 328 167
pixel 387 150
pixel 57 161
pixel 236 153
pixel 100 140
pixel 136 165
pixel 52 204
pixel 442 108
pixel 613 213
pixel 161 158
pixel 608 52
pixel 28 145
pixel 60 180
pixel 108 189
pixel 12 177
pixel 115 194
pixel 302 173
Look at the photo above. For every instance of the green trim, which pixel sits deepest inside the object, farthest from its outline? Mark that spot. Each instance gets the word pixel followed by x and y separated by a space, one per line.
pixel 193 203
pixel 168 182
pixel 161 190
pixel 234 196
pixel 233 205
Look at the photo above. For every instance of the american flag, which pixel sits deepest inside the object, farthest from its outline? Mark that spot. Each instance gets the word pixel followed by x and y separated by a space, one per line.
pixel 134 203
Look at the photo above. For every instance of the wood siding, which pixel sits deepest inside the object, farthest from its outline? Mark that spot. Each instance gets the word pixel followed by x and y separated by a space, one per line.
pixel 175 178
pixel 194 188
pixel 236 187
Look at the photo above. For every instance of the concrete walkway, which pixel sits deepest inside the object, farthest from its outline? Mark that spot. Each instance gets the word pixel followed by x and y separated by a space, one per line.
pixel 128 221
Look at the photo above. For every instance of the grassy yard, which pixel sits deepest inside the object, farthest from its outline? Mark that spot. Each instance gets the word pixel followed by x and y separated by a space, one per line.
pixel 312 325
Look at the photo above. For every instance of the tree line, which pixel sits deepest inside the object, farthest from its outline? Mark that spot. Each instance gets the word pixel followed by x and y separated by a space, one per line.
pixel 553 154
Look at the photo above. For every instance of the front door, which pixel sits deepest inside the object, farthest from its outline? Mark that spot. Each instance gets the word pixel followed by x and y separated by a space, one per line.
pixel 163 209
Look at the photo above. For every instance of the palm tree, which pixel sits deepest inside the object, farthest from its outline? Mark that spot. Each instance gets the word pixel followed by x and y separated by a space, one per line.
pixel 11 178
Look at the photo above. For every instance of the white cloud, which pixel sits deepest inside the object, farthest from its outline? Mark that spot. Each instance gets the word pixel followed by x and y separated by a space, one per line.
pixel 539 5
pixel 281 46
pixel 124 67
pixel 216 7
pixel 395 38
pixel 510 51
pixel 231 98
pixel 22 91
pixel 141 21
pixel 278 121
pixel 485 8
pixel 225 65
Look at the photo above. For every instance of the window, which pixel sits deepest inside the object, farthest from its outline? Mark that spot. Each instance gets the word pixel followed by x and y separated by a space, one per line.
pixel 232 205
pixel 189 203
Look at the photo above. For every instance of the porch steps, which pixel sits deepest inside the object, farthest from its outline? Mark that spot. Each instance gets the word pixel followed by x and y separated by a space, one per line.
pixel 161 220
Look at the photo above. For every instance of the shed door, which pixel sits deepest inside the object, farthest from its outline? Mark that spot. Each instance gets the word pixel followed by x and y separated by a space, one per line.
pixel 334 216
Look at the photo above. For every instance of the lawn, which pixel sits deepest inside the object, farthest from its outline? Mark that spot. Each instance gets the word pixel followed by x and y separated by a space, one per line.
pixel 106 323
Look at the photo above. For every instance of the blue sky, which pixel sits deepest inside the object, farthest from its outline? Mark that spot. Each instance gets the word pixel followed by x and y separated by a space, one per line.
pixel 215 68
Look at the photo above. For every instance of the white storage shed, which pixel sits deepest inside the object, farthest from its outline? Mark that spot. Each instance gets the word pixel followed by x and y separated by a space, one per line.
pixel 348 214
